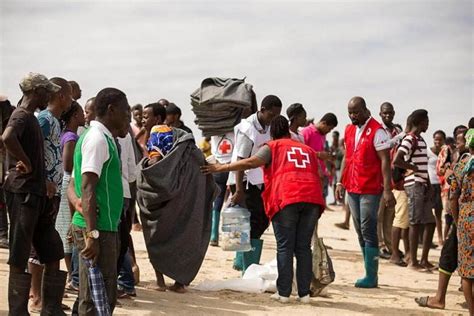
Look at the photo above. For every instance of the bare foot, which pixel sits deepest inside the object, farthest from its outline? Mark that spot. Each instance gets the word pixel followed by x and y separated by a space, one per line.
pixel 427 265
pixel 417 267
pixel 156 288
pixel 137 227
pixel 35 305
pixel 430 302
pixel 178 288
pixel 434 303
pixel 397 261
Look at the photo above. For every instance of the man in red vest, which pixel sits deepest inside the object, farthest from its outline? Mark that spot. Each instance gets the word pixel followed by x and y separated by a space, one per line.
pixel 293 201
pixel 366 178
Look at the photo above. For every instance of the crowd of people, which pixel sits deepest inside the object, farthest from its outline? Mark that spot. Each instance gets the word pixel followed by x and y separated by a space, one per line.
pixel 77 180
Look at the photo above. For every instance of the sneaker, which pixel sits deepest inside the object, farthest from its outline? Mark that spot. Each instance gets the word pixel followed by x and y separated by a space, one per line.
pixel 304 299
pixel 279 298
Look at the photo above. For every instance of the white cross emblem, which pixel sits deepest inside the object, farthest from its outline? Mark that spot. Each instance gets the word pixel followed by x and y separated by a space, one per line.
pixel 298 157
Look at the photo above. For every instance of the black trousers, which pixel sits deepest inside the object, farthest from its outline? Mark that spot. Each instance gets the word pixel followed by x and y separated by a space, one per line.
pixel 3 217
pixel 258 219
pixel 124 229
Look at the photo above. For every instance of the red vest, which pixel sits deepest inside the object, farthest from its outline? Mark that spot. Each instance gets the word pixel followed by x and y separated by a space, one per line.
pixel 362 172
pixel 292 177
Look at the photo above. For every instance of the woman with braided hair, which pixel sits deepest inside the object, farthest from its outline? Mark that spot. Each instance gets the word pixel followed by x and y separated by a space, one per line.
pixel 293 202
pixel 71 119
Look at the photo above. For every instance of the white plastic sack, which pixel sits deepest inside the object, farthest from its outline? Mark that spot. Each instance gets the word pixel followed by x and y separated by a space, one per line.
pixel 256 279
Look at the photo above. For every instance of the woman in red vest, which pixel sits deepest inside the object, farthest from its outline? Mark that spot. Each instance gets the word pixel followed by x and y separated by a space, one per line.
pixel 293 201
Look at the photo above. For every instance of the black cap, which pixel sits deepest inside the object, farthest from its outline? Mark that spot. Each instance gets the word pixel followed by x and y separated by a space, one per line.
pixel 294 109
pixel 173 109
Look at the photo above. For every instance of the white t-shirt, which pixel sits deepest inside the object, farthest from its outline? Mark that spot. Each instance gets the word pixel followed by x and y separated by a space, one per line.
pixel 432 160
pixel 129 168
pixel 381 139
pixel 95 149
pixel 297 136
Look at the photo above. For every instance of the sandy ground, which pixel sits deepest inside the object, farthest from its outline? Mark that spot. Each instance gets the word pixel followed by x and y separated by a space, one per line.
pixel 397 286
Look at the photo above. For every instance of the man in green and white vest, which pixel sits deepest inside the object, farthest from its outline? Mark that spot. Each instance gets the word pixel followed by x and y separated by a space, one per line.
pixel 97 194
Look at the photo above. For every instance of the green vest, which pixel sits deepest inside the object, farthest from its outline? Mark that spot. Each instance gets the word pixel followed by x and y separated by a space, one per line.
pixel 109 191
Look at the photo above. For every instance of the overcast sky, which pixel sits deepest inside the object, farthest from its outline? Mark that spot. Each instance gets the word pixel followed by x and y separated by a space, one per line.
pixel 415 54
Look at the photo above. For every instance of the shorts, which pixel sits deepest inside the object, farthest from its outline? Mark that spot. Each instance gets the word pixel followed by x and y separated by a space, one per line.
pixel 448 261
pixel 401 210
pixel 419 204
pixel 32 224
pixel 437 203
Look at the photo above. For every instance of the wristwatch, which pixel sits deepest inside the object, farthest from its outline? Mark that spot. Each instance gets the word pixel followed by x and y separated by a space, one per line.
pixel 94 234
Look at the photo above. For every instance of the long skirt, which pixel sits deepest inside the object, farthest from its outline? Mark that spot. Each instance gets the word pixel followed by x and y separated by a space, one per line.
pixel 63 220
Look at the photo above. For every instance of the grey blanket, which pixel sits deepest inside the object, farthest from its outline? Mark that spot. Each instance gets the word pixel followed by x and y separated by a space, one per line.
pixel 218 104
pixel 175 199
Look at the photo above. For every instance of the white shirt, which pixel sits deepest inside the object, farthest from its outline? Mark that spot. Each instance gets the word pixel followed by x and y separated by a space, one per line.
pixel 129 168
pixel 297 136
pixel 432 160
pixel 381 139
pixel 95 149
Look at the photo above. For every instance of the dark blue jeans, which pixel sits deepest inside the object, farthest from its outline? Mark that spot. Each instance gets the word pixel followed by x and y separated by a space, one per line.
pixel 75 267
pixel 293 227
pixel 221 181
pixel 125 278
pixel 364 208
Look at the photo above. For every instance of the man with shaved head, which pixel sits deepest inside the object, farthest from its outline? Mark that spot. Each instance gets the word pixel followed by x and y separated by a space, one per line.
pixel 366 178
pixel 387 214
pixel 51 128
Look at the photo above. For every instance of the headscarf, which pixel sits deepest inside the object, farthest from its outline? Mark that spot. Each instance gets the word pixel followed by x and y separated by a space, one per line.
pixel 161 141
pixel 469 167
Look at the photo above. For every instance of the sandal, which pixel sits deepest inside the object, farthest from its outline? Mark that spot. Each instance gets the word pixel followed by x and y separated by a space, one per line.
pixel 423 302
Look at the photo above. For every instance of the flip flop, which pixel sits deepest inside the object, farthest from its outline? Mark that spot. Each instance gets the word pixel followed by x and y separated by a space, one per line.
pixel 423 302
pixel 399 263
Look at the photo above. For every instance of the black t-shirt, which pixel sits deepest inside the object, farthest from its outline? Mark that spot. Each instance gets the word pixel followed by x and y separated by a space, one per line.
pixel 27 129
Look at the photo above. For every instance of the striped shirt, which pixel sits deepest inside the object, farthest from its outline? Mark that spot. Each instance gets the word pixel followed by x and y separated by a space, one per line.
pixel 419 157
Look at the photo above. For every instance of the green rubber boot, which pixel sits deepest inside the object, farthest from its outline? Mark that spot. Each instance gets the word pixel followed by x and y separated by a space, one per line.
pixel 238 261
pixel 253 256
pixel 215 228
pixel 371 263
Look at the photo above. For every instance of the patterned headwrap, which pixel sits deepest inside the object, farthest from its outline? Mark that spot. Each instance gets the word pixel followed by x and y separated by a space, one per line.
pixel 161 141
pixel 470 143
pixel 470 138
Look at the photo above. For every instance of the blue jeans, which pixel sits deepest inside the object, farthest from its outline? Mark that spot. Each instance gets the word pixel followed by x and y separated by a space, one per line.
pixel 293 227
pixel 364 209
pixel 75 267
pixel 125 278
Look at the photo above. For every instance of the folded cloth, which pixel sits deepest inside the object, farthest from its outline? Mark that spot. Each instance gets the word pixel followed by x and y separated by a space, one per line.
pixel 218 104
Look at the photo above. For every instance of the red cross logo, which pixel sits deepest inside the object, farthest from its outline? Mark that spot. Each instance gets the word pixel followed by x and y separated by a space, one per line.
pixel 225 147
pixel 298 157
